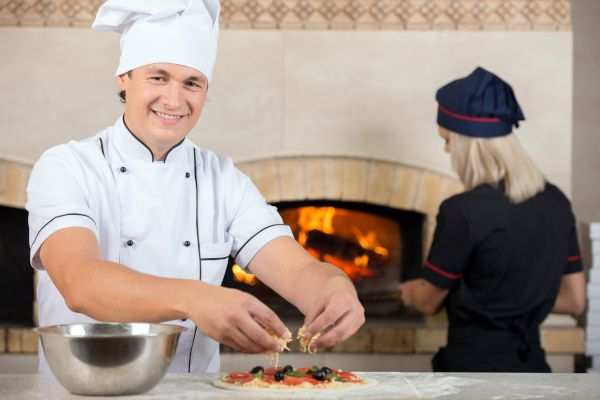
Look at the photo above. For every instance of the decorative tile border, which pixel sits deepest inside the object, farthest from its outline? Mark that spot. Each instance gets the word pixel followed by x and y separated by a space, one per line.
pixel 420 15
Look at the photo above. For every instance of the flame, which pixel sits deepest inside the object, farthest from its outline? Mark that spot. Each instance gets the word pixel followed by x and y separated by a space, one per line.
pixel 349 267
pixel 369 241
pixel 322 219
pixel 239 275
pixel 315 218
pixel 362 261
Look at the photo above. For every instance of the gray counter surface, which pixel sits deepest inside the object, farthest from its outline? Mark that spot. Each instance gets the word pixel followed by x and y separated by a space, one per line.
pixel 392 385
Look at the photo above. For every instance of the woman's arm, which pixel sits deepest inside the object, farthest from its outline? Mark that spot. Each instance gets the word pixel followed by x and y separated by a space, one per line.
pixel 572 296
pixel 422 295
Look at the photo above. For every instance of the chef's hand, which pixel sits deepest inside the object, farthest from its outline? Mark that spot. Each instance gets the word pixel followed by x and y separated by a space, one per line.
pixel 422 295
pixel 407 289
pixel 336 314
pixel 238 320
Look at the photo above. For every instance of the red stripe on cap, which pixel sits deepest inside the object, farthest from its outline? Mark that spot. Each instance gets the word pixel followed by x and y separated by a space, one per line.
pixel 441 271
pixel 573 258
pixel 467 117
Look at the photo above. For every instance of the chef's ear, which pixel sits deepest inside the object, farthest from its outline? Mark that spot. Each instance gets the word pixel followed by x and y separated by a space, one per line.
pixel 121 80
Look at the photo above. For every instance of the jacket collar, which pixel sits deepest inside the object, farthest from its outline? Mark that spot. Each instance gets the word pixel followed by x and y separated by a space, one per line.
pixel 130 147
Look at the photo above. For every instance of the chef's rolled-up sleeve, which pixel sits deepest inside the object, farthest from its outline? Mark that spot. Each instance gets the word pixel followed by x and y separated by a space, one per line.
pixel 56 199
pixel 255 222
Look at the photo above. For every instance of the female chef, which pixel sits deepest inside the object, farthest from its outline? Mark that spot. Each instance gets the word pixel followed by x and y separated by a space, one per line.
pixel 505 252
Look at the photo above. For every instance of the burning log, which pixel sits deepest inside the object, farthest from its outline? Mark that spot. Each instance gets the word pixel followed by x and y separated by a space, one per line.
pixel 346 254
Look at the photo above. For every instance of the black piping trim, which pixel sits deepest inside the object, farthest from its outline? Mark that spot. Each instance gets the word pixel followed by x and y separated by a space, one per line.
pixel 102 147
pixel 215 258
pixel 138 139
pixel 58 216
pixel 253 236
pixel 171 149
pixel 199 257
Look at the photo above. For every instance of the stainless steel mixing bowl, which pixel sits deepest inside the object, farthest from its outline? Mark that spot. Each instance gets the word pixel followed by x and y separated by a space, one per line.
pixel 109 358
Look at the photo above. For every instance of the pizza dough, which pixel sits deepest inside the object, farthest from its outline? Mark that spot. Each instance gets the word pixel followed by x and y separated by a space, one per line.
pixel 308 388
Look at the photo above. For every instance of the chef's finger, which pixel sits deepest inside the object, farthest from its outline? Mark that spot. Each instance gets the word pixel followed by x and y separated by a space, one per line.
pixel 269 320
pixel 309 318
pixel 257 333
pixel 328 317
pixel 242 342
pixel 342 330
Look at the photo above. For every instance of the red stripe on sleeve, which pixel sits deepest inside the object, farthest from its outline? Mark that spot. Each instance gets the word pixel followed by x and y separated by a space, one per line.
pixel 441 271
pixel 573 258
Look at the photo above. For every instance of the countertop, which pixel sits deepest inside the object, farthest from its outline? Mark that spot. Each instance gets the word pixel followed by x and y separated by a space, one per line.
pixel 392 385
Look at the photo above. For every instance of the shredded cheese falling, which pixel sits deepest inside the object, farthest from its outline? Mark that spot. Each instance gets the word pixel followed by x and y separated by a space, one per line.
pixel 305 342
pixel 306 345
pixel 283 346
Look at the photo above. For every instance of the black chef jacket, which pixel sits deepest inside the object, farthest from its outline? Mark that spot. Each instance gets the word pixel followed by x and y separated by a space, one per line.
pixel 503 264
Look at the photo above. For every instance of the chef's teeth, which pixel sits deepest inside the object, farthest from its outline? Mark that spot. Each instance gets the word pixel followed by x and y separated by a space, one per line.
pixel 167 116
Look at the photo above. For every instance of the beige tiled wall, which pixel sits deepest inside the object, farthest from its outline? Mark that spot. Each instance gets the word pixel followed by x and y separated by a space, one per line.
pixel 283 93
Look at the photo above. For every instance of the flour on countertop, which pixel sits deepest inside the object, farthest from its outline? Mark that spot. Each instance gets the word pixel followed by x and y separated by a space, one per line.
pixel 531 392
pixel 429 386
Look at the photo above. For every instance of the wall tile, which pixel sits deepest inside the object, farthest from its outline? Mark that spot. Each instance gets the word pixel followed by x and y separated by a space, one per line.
pixel 315 184
pixel 381 182
pixel 354 179
pixel 292 179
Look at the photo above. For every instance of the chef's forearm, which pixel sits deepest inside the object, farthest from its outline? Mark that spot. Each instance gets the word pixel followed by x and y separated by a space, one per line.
pixel 314 281
pixel 571 297
pixel 107 291
pixel 423 296
pixel 284 266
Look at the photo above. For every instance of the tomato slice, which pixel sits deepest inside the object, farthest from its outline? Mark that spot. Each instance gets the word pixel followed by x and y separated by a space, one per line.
pixel 348 376
pixel 292 380
pixel 239 377
pixel 268 378
pixel 271 371
pixel 297 380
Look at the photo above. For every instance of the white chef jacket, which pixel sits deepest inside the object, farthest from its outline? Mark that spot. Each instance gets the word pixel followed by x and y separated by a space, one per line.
pixel 181 218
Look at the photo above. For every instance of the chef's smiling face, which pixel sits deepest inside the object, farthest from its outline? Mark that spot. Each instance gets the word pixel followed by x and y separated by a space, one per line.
pixel 164 102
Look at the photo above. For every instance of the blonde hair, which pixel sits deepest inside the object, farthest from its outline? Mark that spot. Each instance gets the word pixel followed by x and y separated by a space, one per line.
pixel 483 160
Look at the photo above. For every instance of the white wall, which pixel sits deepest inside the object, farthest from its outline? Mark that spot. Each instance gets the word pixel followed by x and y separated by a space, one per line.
pixel 275 92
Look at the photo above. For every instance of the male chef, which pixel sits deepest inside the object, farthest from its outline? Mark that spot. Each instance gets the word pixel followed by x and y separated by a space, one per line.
pixel 137 222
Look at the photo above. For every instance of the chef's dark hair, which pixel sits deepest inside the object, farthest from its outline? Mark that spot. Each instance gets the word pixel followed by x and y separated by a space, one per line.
pixel 122 95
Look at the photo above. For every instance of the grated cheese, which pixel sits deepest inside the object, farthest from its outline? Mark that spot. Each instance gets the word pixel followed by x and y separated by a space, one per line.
pixel 283 346
pixel 306 343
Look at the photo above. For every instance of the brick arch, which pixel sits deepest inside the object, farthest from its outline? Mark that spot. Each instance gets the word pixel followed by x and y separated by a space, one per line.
pixel 354 179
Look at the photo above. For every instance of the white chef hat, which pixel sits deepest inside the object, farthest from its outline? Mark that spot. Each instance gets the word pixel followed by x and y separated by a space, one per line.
pixel 181 32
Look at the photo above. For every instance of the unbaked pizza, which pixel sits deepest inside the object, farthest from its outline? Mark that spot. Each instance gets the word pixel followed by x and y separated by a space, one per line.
pixel 292 378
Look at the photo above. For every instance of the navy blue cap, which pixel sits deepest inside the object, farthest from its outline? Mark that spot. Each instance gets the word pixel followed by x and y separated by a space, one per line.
pixel 479 105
